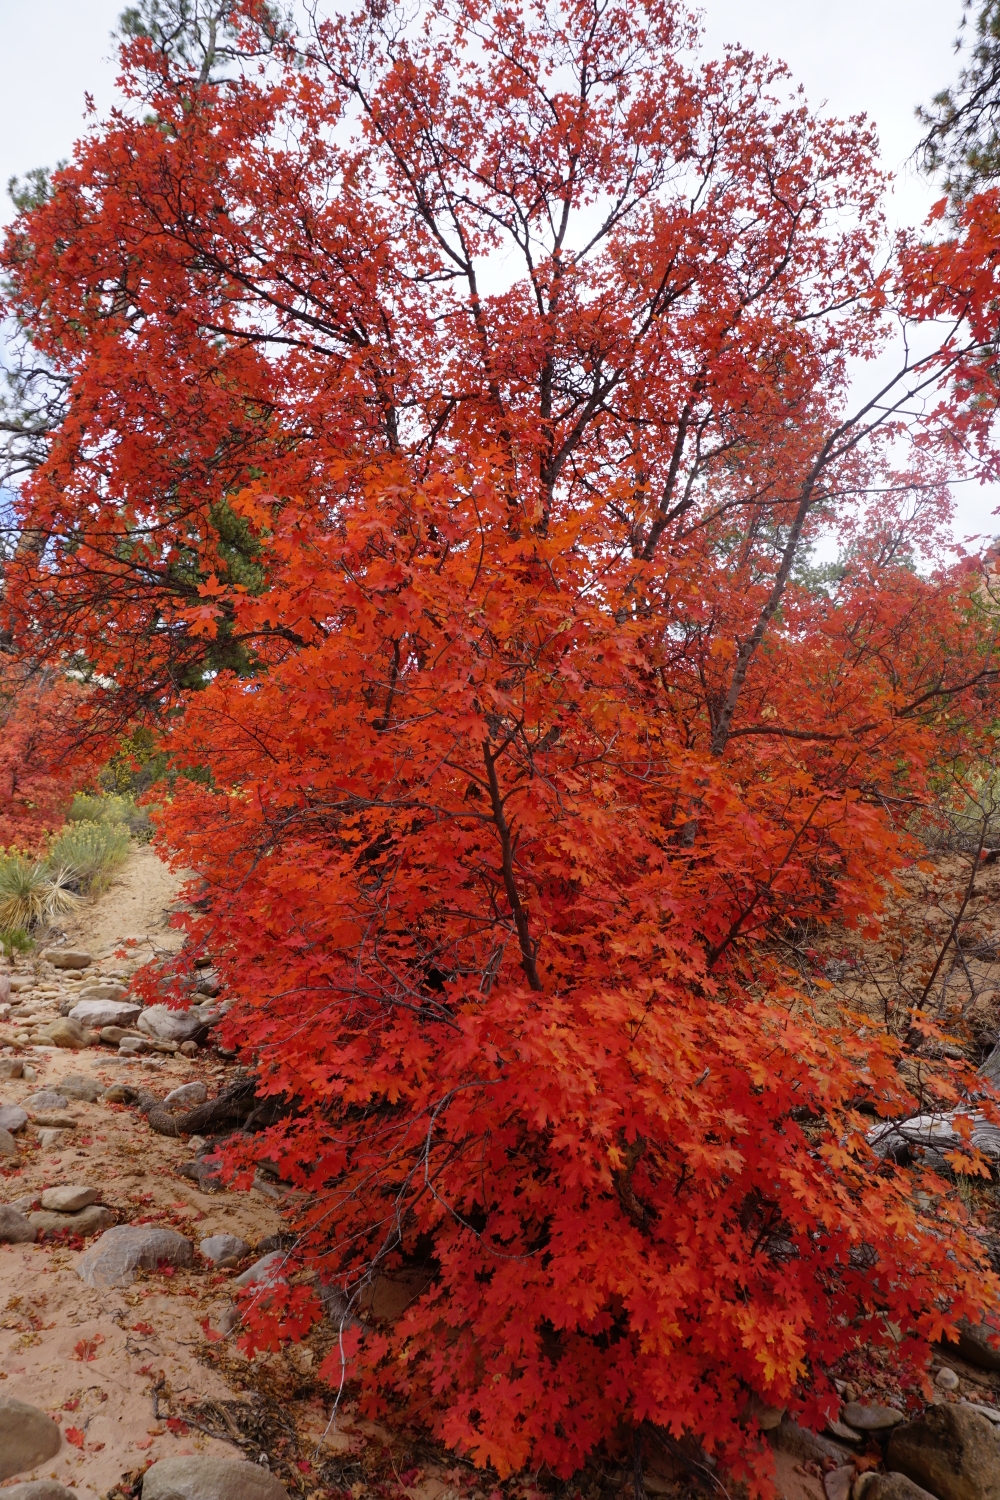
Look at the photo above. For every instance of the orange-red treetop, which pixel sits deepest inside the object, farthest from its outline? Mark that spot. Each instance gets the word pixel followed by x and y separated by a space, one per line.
pixel 454 405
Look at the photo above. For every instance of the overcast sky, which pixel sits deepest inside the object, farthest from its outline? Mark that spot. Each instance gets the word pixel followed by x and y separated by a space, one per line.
pixel 879 57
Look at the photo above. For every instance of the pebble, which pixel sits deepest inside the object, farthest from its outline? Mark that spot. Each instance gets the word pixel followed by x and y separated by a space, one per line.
pixel 203 1478
pixel 871 1418
pixel 187 1095
pixel 12 1118
pixel 14 1229
pixel 67 1199
pixel 946 1379
pixel 27 1437
pixel 224 1248
pixel 118 1254
pixel 68 958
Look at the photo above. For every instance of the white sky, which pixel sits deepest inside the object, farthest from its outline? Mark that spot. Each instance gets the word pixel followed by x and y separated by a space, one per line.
pixel 879 57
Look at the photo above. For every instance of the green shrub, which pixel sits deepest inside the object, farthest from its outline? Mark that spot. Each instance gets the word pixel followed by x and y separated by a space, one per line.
pixel 113 809
pixel 32 892
pixel 15 941
pixel 89 853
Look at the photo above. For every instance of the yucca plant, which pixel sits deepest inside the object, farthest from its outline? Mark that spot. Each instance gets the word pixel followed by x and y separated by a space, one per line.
pixel 32 893
pixel 90 853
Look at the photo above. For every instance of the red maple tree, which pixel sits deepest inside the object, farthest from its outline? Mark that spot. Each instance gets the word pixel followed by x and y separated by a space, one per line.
pixel 454 407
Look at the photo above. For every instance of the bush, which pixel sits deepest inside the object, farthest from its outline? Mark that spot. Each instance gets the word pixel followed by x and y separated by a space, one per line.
pixel 31 893
pixel 114 810
pixel 90 853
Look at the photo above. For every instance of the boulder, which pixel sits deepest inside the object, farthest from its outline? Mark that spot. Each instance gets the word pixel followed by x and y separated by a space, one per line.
pixel 46 1099
pixel 8 1145
pixel 27 1437
pixel 65 1032
pixel 38 1489
pixel 119 1253
pixel 203 1478
pixel 88 1090
pixel 894 1487
pixel 12 1118
pixel 871 1418
pixel 91 1220
pixel 68 958
pixel 223 1248
pixel 169 1025
pixel 950 1450
pixel 15 1230
pixel 98 1013
pixel 108 989
pixel 69 1198
pixel 186 1096
pixel 268 1271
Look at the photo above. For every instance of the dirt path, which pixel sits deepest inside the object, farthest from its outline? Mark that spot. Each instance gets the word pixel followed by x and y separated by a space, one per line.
pixel 89 1358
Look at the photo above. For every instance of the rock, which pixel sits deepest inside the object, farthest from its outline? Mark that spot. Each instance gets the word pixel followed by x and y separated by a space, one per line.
pixel 29 1074
pixel 972 1344
pixel 108 989
pixel 202 1478
pixel 208 984
pixel 27 1437
pixel 10 1067
pixel 927 1138
pixel 207 1177
pixel 12 1118
pixel 99 1013
pixel 871 1418
pixel 951 1451
pixel 68 958
pixel 946 1379
pixel 187 1096
pixel 52 1139
pixel 65 1032
pixel 8 1145
pixel 843 1433
pixel 38 1489
pixel 46 1099
pixel 115 1094
pixel 267 1271
pixel 118 1254
pixel 189 1049
pixel 54 1119
pixel 229 1319
pixel 15 1230
pixel 224 1248
pixel 991 1413
pixel 837 1483
pixel 66 1200
pixel 789 1437
pixel 169 1025
pixel 86 1089
pixel 91 1220
pixel 133 1045
pixel 893 1487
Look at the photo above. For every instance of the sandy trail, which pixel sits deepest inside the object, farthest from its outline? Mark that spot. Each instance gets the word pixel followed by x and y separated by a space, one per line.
pixel 89 1358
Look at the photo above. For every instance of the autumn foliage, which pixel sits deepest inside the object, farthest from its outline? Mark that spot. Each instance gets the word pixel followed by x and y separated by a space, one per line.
pixel 454 409
pixel 44 753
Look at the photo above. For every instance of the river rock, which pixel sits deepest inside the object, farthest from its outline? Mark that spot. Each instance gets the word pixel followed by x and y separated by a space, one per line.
pixel 8 1145
pixel 27 1437
pixel 38 1489
pixel 107 989
pixel 97 1012
pixel 12 1118
pixel 69 1198
pixel 208 984
pixel 946 1380
pixel 837 1483
pixel 169 1025
pixel 68 958
pixel 843 1434
pixel 894 1487
pixel 203 1478
pixel 65 1032
pixel 267 1271
pixel 10 1067
pixel 187 1096
pixel 118 1254
pixel 46 1099
pixel 15 1229
pixel 89 1090
pixel 91 1220
pixel 950 1450
pixel 222 1248
pixel 871 1418
pixel 132 1045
